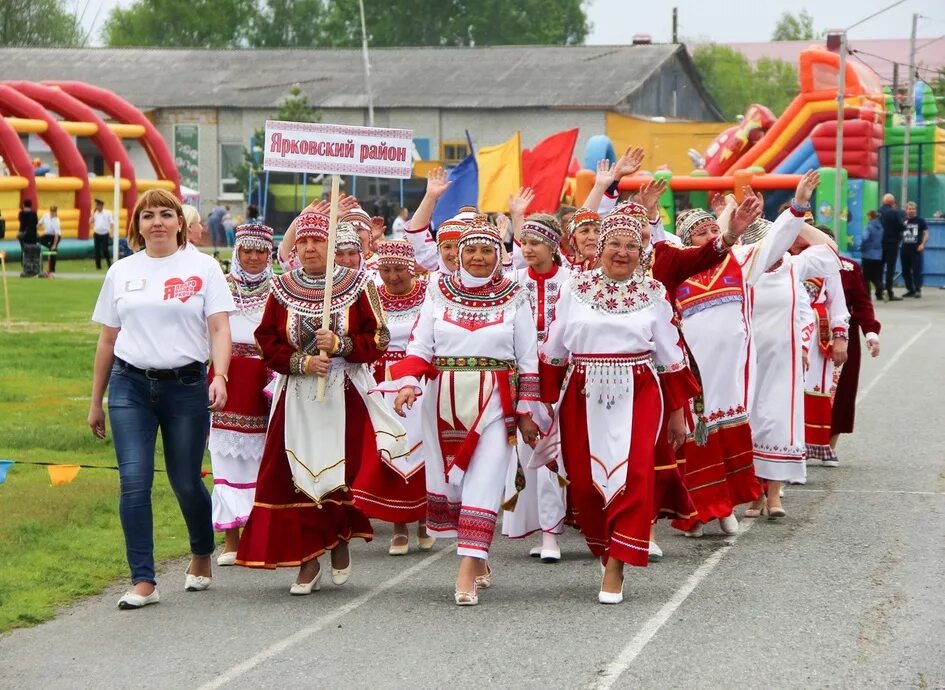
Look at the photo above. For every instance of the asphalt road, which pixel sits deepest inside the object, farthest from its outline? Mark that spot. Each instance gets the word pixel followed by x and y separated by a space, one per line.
pixel 848 591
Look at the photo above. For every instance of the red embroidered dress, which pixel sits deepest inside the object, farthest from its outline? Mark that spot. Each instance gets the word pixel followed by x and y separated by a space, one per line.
pixel 293 522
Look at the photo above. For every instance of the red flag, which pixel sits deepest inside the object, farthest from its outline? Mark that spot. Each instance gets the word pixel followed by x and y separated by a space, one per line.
pixel 545 167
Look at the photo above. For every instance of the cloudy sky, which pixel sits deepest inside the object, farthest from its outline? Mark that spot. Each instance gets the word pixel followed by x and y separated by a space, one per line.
pixel 724 21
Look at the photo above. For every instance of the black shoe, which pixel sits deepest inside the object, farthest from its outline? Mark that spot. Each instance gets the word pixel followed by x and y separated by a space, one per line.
pixel 893 298
pixel 918 294
pixel 909 293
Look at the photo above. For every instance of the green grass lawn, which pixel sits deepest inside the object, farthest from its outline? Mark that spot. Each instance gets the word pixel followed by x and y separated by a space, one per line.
pixel 60 543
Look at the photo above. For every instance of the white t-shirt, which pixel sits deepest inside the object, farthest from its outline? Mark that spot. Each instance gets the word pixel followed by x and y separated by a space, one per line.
pixel 102 222
pixel 161 306
pixel 51 226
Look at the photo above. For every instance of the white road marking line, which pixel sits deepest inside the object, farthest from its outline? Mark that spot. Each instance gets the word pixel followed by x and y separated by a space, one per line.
pixel 895 492
pixel 628 654
pixel 330 617
pixel 889 365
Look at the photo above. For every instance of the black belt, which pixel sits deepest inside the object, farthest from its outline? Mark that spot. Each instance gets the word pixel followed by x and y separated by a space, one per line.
pixel 164 374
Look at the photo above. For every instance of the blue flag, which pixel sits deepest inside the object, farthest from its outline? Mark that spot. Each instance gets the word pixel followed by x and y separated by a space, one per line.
pixel 5 466
pixel 463 192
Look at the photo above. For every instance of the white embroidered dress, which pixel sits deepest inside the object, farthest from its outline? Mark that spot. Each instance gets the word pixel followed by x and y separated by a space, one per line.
pixel 781 330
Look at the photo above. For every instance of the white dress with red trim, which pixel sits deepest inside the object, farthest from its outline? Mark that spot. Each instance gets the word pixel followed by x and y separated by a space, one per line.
pixel 238 431
pixel 395 491
pixel 614 357
pixel 477 349
pixel 715 309
pixel 781 331
pixel 541 505
pixel 832 320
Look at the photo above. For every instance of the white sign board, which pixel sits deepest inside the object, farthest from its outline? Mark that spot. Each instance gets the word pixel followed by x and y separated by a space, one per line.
pixel 338 149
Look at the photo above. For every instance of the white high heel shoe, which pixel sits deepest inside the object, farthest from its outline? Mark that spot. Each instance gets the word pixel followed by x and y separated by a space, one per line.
pixel 340 575
pixel 302 588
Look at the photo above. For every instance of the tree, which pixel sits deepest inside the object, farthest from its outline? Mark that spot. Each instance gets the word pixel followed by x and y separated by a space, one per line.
pixel 45 23
pixel 293 108
pixel 434 22
pixel 180 23
pixel 799 27
pixel 734 84
pixel 288 24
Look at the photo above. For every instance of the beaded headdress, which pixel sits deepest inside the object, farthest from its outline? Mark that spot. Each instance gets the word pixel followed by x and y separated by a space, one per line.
pixel 581 217
pixel 311 224
pixel 254 236
pixel 347 237
pixel 450 231
pixel 618 224
pixel 545 232
pixel 480 233
pixel 358 217
pixel 756 231
pixel 688 220
pixel 395 253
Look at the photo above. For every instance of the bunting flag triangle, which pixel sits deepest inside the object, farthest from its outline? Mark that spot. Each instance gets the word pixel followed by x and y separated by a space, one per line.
pixel 60 475
pixel 5 466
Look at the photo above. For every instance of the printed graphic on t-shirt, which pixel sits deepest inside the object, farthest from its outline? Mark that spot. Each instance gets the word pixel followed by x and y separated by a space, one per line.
pixel 179 288
pixel 911 234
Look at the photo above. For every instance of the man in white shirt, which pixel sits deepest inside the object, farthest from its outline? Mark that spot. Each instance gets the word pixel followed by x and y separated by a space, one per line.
pixel 102 225
pixel 399 229
pixel 52 233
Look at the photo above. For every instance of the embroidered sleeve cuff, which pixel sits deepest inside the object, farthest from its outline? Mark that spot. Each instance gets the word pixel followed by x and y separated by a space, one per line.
pixel 413 230
pixel 872 337
pixel 394 385
pixel 840 332
pixel 720 247
pixel 344 347
pixel 528 387
pixel 297 363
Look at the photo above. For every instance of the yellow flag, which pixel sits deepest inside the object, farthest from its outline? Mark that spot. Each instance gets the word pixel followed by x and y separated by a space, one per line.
pixel 500 174
pixel 60 475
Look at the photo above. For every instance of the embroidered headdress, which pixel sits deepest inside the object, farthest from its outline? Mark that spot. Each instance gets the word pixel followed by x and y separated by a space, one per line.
pixel 543 227
pixel 359 218
pixel 311 224
pixel 254 236
pixel 688 220
pixel 619 224
pixel 396 253
pixel 581 217
pixel 450 231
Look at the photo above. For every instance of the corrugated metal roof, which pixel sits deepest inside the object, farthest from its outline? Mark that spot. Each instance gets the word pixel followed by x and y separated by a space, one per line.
pixel 491 77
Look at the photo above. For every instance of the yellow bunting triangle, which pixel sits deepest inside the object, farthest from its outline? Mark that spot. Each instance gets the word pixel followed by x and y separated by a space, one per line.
pixel 60 475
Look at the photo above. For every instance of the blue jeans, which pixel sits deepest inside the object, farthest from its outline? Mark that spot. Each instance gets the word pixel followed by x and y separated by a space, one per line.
pixel 137 406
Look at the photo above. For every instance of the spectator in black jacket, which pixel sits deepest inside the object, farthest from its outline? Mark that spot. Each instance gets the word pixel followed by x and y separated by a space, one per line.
pixel 894 224
pixel 28 222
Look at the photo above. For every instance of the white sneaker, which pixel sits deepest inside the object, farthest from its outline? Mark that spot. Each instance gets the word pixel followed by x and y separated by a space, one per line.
pixel 656 555
pixel 695 533
pixel 832 462
pixel 535 552
pixel 729 524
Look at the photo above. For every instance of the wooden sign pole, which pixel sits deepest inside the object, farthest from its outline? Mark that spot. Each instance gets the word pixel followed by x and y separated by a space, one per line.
pixel 329 277
pixel 6 290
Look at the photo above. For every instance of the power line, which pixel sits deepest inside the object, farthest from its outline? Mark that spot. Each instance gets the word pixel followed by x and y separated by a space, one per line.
pixel 889 7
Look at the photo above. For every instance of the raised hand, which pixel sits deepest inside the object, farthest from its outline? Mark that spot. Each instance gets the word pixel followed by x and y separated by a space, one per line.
pixel 717 203
pixel 746 214
pixel 519 203
pixel 629 162
pixel 605 174
pixel 503 223
pixel 346 202
pixel 806 187
pixel 650 194
pixel 437 182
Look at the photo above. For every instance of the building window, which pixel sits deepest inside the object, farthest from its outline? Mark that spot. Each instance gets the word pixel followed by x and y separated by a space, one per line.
pixel 452 152
pixel 231 155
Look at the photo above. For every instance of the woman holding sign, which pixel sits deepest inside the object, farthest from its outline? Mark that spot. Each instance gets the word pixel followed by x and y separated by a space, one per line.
pixel 314 448
pixel 475 342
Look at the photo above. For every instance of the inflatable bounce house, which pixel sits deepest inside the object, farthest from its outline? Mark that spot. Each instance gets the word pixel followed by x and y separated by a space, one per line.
pixel 770 153
pixel 58 113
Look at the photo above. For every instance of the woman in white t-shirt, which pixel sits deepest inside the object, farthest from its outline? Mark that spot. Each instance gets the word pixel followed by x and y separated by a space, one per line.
pixel 162 311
